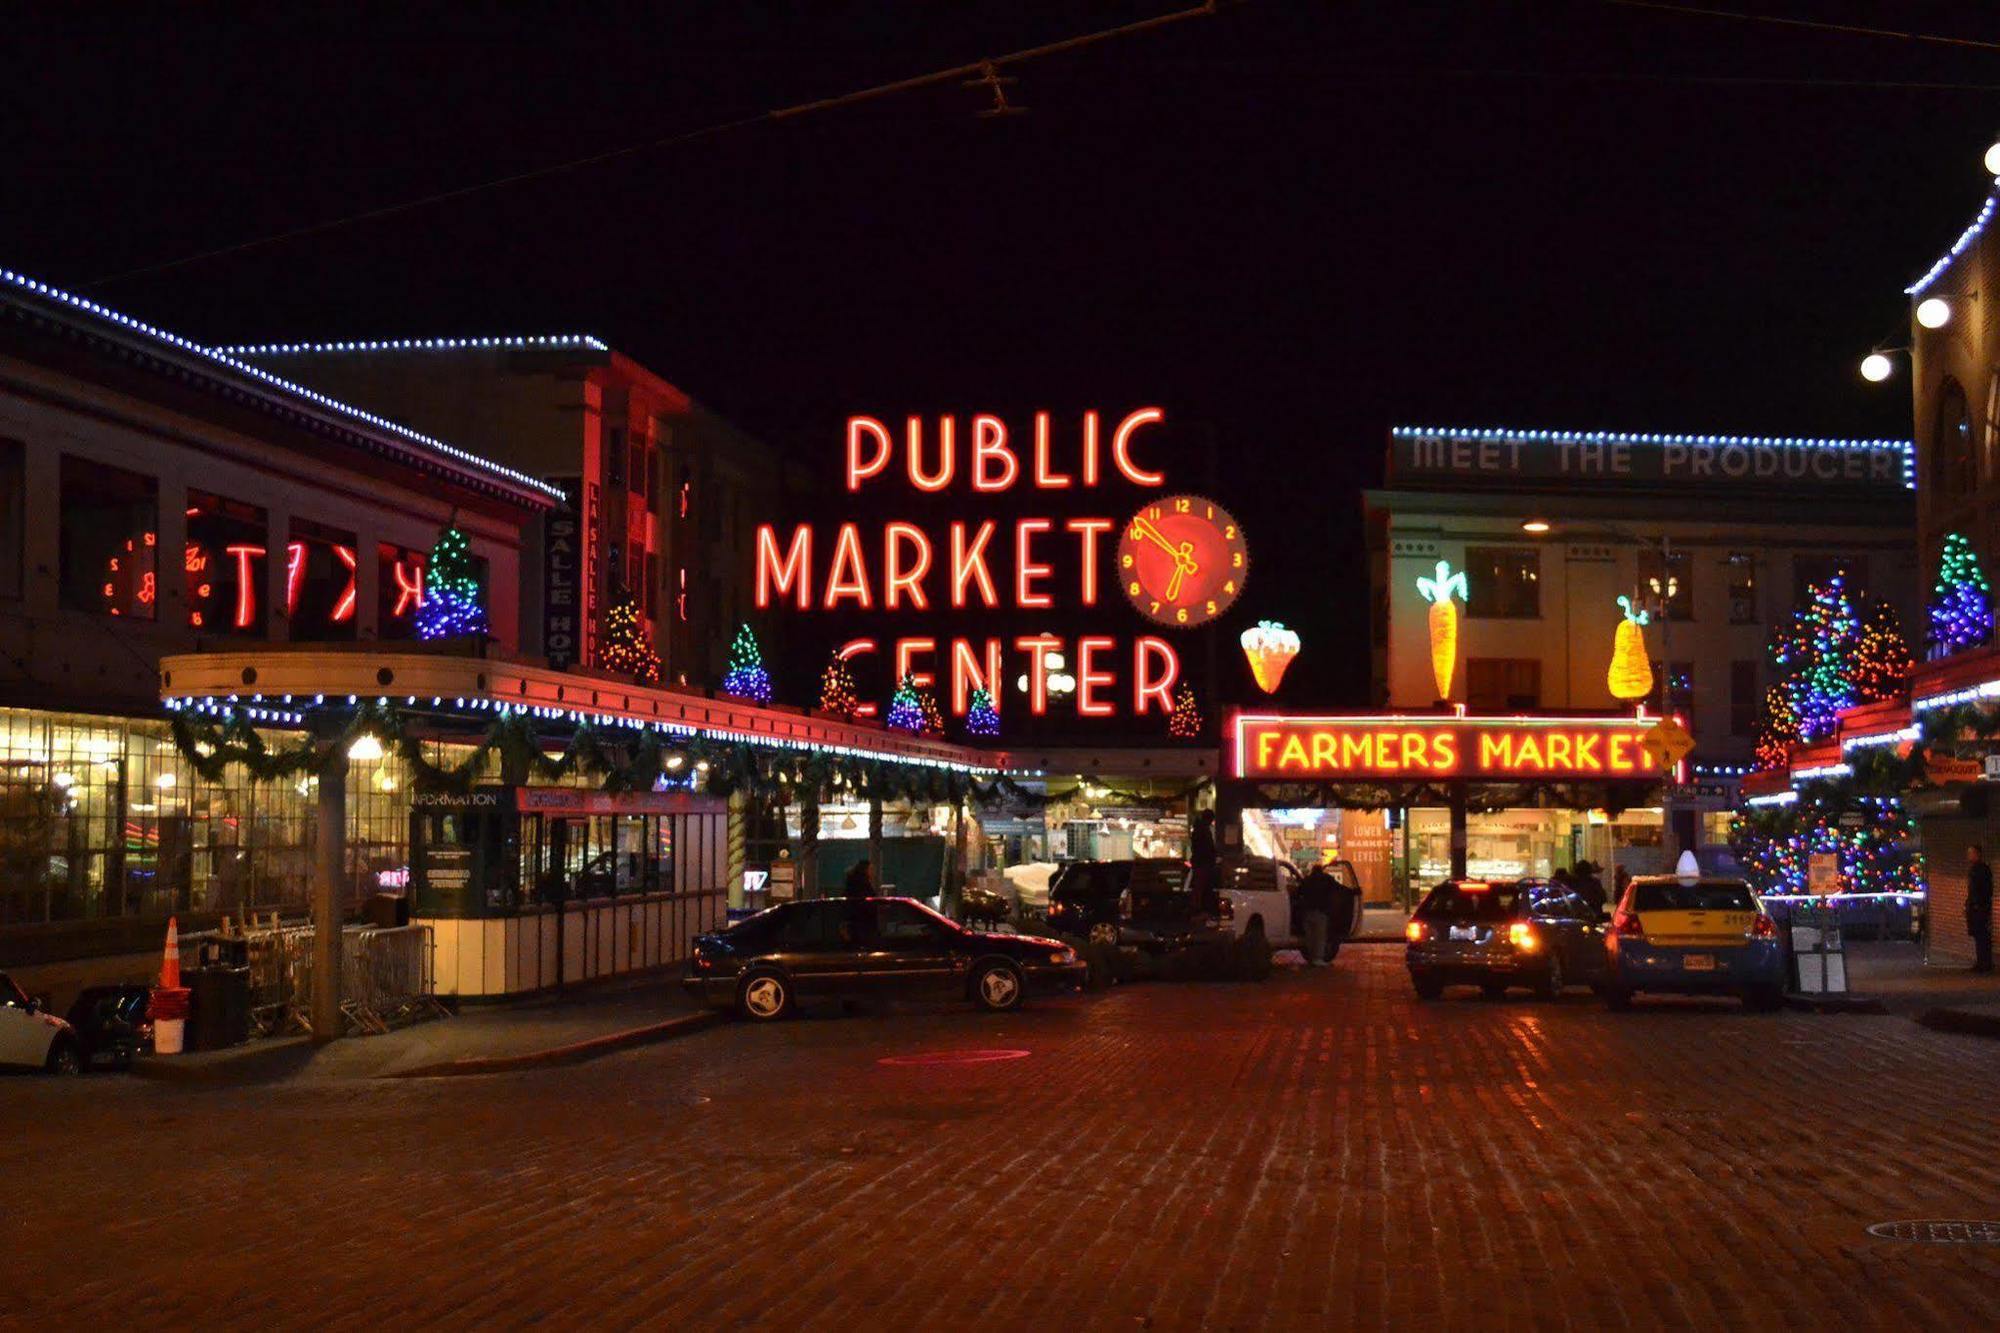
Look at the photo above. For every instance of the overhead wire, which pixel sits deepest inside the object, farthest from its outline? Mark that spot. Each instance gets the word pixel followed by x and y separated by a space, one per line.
pixel 1820 25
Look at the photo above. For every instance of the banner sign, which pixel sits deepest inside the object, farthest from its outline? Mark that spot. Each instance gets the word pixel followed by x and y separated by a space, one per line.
pixel 1417 749
pixel 1502 458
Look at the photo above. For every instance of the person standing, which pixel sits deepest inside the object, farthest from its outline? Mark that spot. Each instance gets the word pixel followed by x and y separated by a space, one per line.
pixel 1316 913
pixel 1588 886
pixel 860 882
pixel 1346 913
pixel 1979 907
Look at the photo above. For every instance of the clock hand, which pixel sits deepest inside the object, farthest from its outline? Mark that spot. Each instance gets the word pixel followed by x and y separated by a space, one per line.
pixel 1183 566
pixel 1152 534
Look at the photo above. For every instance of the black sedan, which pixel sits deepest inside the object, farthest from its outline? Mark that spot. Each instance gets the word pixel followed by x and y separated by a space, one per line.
pixel 858 948
pixel 1496 935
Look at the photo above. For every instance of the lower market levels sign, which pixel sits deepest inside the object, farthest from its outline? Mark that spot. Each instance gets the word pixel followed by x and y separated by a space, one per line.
pixel 1422 748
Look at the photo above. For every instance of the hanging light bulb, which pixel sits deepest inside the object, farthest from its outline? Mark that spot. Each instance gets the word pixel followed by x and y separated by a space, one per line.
pixel 1875 367
pixel 365 747
pixel 1934 312
pixel 1992 160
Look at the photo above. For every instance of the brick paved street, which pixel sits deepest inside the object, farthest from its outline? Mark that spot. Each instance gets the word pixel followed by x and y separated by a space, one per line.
pixel 1320 1151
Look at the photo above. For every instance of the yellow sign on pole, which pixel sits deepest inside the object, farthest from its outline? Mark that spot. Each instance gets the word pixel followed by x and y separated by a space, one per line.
pixel 1668 742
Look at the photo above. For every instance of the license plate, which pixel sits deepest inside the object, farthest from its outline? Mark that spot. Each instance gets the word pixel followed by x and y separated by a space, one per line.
pixel 1699 962
pixel 1465 932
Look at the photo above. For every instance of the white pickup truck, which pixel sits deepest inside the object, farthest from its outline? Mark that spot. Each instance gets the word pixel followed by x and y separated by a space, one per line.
pixel 1261 891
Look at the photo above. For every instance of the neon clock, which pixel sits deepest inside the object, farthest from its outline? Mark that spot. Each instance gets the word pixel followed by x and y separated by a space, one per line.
pixel 1182 561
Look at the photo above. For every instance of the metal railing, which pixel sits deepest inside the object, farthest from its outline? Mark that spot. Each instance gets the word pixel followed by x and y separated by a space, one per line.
pixel 387 975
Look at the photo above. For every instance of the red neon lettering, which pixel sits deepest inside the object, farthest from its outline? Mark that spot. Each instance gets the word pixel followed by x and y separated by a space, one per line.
pixel 343 608
pixel 849 576
pixel 1121 444
pixel 906 654
pixel 1038 647
pixel 1090 448
pixel 850 650
pixel 1046 476
pixel 858 471
pixel 968 564
pixel 989 441
pixel 295 567
pixel 409 585
pixel 897 579
pixel 966 674
pixel 1147 687
pixel 1088 679
pixel 791 573
pixel 246 587
pixel 1026 571
pixel 1089 529
pixel 947 455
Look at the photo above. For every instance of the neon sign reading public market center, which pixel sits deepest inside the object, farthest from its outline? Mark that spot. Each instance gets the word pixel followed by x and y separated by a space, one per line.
pixel 1179 560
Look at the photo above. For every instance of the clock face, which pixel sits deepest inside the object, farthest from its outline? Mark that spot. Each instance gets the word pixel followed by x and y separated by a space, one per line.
pixel 1182 560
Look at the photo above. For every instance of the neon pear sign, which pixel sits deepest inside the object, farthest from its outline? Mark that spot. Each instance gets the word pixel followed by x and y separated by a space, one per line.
pixel 1000 564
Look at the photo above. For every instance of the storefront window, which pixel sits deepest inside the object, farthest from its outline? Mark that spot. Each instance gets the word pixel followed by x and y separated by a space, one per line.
pixel 110 534
pixel 399 591
pixel 1505 582
pixel 321 582
pixel 224 564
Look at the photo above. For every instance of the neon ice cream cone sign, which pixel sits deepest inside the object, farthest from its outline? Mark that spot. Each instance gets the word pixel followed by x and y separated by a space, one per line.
pixel 1270 648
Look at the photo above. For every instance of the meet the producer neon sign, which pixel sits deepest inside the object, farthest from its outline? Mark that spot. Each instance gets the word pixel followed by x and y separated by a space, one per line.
pixel 992 564
pixel 1423 748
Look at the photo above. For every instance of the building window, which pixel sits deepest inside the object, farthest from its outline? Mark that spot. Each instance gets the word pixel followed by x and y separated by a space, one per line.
pixel 1503 684
pixel 639 469
pixel 1989 434
pixel 224 564
pixel 1679 682
pixel 322 581
pixel 1505 582
pixel 1667 580
pixel 1742 568
pixel 110 537
pixel 614 457
pixel 399 590
pixel 1951 443
pixel 1743 698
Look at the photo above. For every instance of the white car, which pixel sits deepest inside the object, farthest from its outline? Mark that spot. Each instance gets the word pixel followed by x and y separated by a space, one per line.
pixel 31 1039
pixel 1261 890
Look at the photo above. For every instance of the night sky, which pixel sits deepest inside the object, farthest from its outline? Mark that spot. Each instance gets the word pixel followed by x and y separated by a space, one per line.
pixel 1294 224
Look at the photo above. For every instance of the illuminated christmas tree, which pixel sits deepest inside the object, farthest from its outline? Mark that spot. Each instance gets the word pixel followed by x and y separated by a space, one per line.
pixel 1882 658
pixel 627 648
pixel 837 694
pixel 1777 729
pixel 746 677
pixel 451 604
pixel 983 719
pixel 927 704
pixel 906 711
pixel 1184 723
pixel 1961 602
pixel 1814 656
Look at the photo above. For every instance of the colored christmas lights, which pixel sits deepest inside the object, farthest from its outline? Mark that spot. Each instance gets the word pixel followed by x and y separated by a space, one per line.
pixel 1961 601
pixel 927 704
pixel 1882 662
pixel 906 711
pixel 746 677
pixel 451 605
pixel 1443 623
pixel 837 694
pixel 1184 723
pixel 1814 657
pixel 1270 648
pixel 982 719
pixel 626 647
pixel 1630 675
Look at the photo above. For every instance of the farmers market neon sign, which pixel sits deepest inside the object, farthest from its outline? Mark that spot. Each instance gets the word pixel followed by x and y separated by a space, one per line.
pixel 1420 748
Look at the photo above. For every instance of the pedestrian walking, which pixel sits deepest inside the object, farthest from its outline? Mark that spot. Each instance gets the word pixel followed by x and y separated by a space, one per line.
pixel 1316 913
pixel 860 881
pixel 1587 885
pixel 1979 907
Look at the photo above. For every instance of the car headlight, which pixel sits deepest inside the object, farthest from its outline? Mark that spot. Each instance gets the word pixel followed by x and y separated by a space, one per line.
pixel 1063 957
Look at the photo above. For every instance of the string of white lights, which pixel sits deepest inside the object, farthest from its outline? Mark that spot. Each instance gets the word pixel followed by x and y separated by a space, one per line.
pixel 1958 247
pixel 586 341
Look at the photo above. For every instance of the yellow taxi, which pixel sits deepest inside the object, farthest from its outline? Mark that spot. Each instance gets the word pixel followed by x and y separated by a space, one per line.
pixel 1692 934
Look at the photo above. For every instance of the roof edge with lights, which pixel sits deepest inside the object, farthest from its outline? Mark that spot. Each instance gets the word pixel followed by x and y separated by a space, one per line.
pixel 1504 433
pixel 518 342
pixel 1959 246
pixel 430 450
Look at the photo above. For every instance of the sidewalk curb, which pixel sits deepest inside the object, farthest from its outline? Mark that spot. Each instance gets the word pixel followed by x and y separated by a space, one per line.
pixel 1836 1004
pixel 572 1054
pixel 1962 1021
pixel 264 1061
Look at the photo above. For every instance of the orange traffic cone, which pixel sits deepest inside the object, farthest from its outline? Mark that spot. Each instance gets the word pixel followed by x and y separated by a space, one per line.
pixel 170 965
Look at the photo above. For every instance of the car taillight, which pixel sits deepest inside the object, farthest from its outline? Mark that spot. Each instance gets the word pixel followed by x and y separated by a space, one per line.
pixel 1225 909
pixel 1523 937
pixel 702 962
pixel 1763 928
pixel 1626 924
pixel 1415 932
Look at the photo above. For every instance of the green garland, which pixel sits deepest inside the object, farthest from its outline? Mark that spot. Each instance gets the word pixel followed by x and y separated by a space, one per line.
pixel 619 758
pixel 1006 791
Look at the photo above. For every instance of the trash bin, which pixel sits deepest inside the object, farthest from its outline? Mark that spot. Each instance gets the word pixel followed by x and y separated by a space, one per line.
pixel 220 1013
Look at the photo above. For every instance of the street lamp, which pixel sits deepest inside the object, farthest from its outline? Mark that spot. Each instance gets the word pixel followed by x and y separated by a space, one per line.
pixel 1992 160
pixel 1934 312
pixel 1663 588
pixel 1876 367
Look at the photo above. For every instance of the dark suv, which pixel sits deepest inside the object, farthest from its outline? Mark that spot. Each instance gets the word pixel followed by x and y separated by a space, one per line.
pixel 1496 935
pixel 1144 903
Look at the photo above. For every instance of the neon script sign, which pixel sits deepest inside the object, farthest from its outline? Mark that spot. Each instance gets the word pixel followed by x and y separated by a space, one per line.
pixel 992 564
pixel 1421 748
